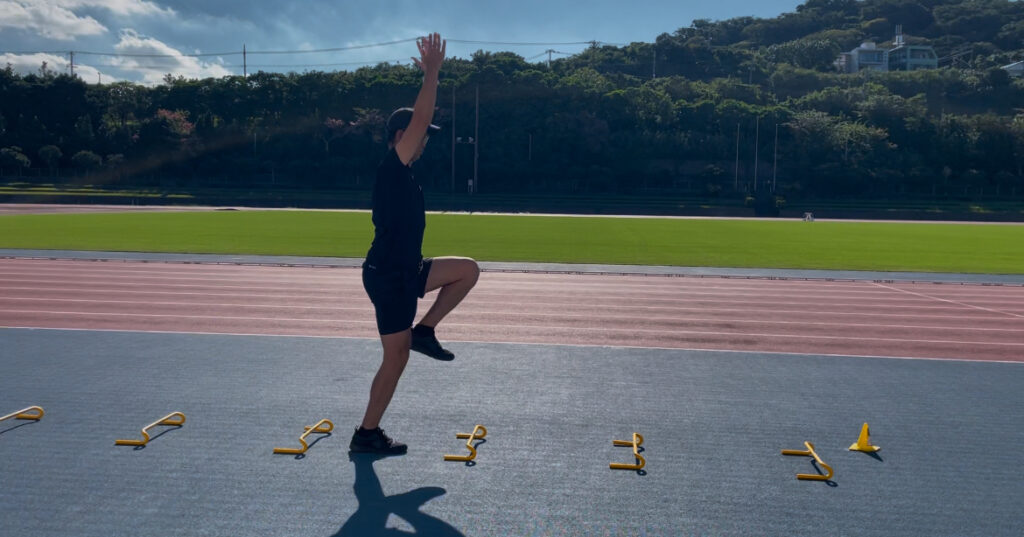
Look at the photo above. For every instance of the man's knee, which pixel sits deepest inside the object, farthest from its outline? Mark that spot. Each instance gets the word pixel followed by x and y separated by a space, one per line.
pixel 472 271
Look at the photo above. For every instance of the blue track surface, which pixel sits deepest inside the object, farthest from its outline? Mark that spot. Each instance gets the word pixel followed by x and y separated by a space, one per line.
pixel 714 423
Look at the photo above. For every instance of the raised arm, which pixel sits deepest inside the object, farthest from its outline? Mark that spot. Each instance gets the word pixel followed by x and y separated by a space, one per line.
pixel 432 50
pixel 431 56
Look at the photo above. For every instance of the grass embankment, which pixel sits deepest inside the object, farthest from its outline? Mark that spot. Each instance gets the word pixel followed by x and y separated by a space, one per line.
pixel 640 241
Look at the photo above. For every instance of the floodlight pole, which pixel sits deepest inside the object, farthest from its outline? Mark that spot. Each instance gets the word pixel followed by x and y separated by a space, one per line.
pixel 757 138
pixel 453 137
pixel 775 163
pixel 736 181
pixel 476 143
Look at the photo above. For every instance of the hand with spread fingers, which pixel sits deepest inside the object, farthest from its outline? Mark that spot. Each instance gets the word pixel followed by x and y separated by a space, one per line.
pixel 432 49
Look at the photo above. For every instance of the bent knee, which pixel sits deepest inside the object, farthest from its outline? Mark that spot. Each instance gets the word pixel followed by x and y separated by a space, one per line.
pixel 472 270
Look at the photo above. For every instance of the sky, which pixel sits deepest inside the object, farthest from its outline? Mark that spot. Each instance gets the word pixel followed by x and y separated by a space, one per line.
pixel 34 31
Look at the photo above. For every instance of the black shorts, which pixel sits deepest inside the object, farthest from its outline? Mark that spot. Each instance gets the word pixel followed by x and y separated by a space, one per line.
pixel 394 294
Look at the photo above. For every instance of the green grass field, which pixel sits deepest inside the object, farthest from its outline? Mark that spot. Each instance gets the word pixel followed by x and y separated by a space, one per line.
pixel 629 241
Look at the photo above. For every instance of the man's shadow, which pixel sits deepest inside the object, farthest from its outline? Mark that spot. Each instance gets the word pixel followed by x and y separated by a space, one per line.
pixel 370 518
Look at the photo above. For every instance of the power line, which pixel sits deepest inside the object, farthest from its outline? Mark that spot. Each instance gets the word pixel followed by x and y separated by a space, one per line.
pixel 239 65
pixel 513 43
pixel 141 55
pixel 305 51
pixel 279 65
pixel 335 49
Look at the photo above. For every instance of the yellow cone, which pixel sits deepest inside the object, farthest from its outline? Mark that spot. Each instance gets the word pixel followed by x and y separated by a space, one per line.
pixel 863 442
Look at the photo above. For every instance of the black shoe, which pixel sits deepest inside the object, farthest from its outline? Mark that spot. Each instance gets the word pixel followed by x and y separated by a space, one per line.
pixel 375 441
pixel 431 347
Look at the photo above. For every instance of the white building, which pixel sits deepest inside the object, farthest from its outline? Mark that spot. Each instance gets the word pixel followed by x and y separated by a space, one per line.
pixel 865 57
pixel 902 57
pixel 1016 69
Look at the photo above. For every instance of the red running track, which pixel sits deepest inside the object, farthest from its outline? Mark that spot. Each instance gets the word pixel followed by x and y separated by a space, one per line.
pixel 817 317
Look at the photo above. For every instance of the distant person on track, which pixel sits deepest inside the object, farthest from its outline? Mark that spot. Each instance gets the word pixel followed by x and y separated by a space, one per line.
pixel 395 273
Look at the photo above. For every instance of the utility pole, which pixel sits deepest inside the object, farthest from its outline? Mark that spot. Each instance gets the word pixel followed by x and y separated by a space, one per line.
pixel 245 66
pixel 775 164
pixel 736 182
pixel 654 61
pixel 472 185
pixel 757 138
pixel 453 137
pixel 71 54
pixel 476 142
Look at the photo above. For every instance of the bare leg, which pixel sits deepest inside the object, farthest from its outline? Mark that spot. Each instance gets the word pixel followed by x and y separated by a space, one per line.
pixel 455 276
pixel 396 355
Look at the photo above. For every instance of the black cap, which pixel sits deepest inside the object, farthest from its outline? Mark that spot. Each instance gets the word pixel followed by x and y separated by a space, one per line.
pixel 400 119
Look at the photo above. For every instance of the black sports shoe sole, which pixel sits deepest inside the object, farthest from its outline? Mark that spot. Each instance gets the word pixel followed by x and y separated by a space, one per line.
pixel 371 451
pixel 425 350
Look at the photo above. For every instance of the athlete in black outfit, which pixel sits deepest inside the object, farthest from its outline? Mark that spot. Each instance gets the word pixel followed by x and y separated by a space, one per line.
pixel 395 274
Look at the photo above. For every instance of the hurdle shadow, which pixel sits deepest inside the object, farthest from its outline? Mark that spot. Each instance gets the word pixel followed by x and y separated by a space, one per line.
pixel 301 456
pixel 479 442
pixel 817 468
pixel 371 516
pixel 16 426
pixel 158 435
pixel 641 472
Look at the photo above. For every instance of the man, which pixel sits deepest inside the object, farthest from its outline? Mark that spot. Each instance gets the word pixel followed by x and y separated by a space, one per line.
pixel 395 274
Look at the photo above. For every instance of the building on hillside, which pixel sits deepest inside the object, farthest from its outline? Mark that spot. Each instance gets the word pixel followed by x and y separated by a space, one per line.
pixel 1015 69
pixel 912 58
pixel 863 58
pixel 904 57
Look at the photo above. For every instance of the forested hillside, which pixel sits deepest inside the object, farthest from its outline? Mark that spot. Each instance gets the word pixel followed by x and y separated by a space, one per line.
pixel 679 116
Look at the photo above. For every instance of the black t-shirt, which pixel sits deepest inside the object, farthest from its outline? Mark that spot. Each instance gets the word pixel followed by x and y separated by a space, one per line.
pixel 399 217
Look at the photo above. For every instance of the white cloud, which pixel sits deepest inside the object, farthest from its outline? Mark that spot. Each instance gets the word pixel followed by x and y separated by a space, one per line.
pixel 30 63
pixel 46 19
pixel 56 19
pixel 119 7
pixel 153 69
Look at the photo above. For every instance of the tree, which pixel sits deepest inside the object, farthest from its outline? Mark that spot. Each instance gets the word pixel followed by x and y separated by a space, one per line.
pixel 331 130
pixel 83 131
pixel 86 161
pixel 13 158
pixel 50 154
pixel 114 163
pixel 806 53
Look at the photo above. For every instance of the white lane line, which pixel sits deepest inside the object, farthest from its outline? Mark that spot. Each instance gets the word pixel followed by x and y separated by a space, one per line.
pixel 467 307
pixel 296 279
pixel 950 301
pixel 505 327
pixel 368 309
pixel 537 272
pixel 484 291
pixel 631 279
pixel 528 343
pixel 475 297
pixel 524 343
pixel 175 316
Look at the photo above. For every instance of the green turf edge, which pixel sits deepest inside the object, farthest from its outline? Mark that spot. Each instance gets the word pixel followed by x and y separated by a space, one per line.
pixel 877 246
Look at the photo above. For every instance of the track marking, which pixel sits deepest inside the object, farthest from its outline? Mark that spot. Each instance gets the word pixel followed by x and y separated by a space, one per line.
pixel 534 327
pixel 466 307
pixel 477 298
pixel 869 278
pixel 607 318
pixel 584 345
pixel 949 301
pixel 484 291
